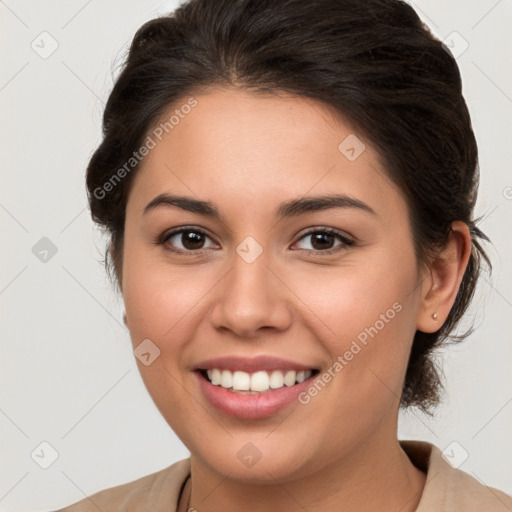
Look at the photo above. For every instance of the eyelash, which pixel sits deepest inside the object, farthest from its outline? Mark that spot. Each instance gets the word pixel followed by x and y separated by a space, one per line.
pixel 346 242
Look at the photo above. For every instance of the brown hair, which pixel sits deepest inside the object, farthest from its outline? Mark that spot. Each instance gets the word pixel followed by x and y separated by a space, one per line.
pixel 373 61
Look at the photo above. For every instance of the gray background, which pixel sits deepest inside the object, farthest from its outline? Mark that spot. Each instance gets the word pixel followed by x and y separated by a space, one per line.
pixel 68 375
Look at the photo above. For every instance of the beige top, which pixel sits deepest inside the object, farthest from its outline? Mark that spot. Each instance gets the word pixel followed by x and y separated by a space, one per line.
pixel 446 489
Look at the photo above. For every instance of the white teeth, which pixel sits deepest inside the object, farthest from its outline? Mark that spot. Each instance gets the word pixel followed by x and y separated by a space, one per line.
pixel 259 381
pixel 226 379
pixel 276 379
pixel 215 376
pixel 289 378
pixel 241 381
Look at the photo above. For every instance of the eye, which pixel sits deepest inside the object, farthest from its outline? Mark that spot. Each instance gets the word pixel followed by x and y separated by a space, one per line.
pixel 190 241
pixel 186 240
pixel 322 240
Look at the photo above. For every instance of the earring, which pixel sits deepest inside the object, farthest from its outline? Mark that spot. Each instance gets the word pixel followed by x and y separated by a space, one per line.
pixel 434 316
pixel 124 319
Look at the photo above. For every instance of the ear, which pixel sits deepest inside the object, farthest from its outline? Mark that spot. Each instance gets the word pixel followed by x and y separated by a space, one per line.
pixel 442 280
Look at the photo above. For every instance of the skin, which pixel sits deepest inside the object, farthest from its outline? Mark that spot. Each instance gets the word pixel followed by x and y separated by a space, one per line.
pixel 246 154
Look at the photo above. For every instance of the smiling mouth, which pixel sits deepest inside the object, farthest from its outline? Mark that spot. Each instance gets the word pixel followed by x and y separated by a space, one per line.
pixel 255 383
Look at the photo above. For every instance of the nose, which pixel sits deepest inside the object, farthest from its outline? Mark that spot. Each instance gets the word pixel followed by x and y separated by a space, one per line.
pixel 250 298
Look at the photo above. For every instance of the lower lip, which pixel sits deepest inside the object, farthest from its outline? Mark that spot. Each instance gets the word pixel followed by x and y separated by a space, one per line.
pixel 258 406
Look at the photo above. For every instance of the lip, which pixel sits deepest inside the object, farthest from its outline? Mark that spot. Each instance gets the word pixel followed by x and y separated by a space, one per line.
pixel 258 406
pixel 250 365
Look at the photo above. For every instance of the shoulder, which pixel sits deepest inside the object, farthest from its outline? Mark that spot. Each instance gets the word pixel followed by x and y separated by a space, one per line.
pixel 155 491
pixel 450 489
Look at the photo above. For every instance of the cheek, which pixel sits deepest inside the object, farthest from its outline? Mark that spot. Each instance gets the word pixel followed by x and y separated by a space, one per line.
pixel 163 304
pixel 158 296
pixel 352 297
pixel 365 315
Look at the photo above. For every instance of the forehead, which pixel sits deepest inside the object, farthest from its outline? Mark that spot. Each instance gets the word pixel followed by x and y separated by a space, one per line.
pixel 239 147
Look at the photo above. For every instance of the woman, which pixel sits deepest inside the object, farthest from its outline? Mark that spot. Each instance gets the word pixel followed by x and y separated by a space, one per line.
pixel 289 188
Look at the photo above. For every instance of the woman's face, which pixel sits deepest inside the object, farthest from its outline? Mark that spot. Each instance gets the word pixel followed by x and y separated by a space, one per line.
pixel 272 281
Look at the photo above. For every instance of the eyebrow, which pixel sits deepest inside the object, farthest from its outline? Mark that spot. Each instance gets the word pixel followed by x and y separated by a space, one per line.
pixel 292 208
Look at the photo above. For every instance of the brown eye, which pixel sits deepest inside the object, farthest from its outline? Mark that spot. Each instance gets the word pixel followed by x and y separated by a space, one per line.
pixel 186 240
pixel 324 241
pixel 192 240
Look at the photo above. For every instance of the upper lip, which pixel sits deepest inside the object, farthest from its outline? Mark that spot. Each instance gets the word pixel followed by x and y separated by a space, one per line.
pixel 251 364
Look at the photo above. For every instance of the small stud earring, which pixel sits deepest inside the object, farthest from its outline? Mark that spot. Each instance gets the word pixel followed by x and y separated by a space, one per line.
pixel 434 316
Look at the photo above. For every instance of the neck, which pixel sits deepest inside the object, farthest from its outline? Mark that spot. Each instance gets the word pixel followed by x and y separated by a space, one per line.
pixel 373 479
